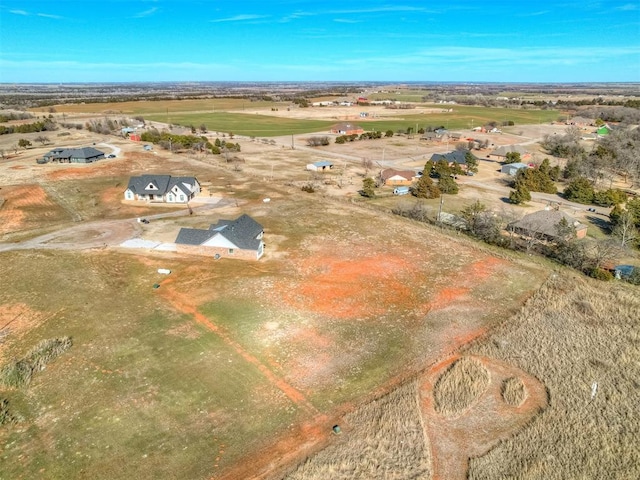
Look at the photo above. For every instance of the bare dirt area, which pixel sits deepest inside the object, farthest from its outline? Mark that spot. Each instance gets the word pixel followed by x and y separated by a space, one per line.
pixel 27 207
pixel 16 320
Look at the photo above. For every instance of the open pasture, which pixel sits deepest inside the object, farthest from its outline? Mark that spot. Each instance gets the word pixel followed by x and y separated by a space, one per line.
pixel 226 360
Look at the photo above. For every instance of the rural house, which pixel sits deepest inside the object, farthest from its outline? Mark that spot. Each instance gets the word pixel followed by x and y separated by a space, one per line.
pixel 320 166
pixel 457 157
pixel 162 189
pixel 73 155
pixel 545 225
pixel 240 238
pixel 347 129
pixel 394 177
pixel 500 153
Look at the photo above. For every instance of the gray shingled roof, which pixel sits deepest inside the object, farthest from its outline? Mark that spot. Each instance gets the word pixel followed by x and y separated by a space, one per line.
pixel 504 149
pixel 546 222
pixel 457 156
pixel 163 184
pixel 84 152
pixel 194 236
pixel 242 232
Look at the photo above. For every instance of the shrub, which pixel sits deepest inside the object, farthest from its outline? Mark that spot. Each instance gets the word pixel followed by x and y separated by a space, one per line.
pixel 600 274
pixel 19 373
pixel 308 188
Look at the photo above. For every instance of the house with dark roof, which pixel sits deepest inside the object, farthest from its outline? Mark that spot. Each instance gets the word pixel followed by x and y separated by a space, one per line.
pixel 546 225
pixel 239 238
pixel 393 177
pixel 458 157
pixel 347 129
pixel 73 155
pixel 162 189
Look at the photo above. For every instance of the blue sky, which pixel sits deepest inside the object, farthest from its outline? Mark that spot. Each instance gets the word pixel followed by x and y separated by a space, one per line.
pixel 298 40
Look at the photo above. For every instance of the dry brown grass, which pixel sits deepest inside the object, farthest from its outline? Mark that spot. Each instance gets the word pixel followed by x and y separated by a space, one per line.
pixel 383 439
pixel 460 385
pixel 514 391
pixel 572 333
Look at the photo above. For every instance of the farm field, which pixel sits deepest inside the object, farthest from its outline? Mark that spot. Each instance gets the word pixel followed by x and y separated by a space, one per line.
pixel 269 119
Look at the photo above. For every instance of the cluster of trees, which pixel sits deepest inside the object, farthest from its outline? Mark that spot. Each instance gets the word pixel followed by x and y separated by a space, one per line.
pixel 445 174
pixel 541 179
pixel 615 154
pixel 363 136
pixel 317 141
pixel 8 116
pixel 40 126
pixel 170 141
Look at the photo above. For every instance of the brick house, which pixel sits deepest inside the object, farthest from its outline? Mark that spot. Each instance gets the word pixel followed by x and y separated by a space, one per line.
pixel 395 178
pixel 347 129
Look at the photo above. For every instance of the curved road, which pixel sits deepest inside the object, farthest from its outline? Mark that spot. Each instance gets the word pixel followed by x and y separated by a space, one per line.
pixel 99 233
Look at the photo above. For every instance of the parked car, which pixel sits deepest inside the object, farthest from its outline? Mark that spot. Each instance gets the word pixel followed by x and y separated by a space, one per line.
pixel 111 156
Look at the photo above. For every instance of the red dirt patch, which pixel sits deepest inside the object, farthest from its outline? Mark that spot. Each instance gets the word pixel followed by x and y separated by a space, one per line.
pixel 16 320
pixel 483 425
pixel 350 289
pixel 16 199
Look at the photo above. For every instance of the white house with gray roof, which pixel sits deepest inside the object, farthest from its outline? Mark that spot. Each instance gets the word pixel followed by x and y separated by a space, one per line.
pixel 162 189
pixel 239 238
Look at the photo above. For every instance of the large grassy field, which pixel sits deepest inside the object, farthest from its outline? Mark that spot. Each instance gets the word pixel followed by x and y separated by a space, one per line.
pixel 199 375
pixel 225 115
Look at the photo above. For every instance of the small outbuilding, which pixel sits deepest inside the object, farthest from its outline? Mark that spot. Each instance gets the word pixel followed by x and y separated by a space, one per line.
pixel 513 168
pixel 320 166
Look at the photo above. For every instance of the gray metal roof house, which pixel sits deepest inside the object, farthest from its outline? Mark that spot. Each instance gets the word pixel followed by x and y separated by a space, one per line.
pixel 241 238
pixel 74 155
pixel 162 189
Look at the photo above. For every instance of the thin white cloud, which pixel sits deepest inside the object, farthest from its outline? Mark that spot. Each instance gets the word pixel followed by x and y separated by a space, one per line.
pixel 535 14
pixel 240 18
pixel 629 7
pixel 19 12
pixel 47 15
pixel 345 20
pixel 146 13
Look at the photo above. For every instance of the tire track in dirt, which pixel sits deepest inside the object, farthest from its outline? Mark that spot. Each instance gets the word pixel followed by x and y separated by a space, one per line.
pixel 182 304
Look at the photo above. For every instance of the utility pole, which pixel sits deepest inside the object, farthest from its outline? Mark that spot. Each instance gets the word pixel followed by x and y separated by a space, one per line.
pixel 440 208
pixel 292 147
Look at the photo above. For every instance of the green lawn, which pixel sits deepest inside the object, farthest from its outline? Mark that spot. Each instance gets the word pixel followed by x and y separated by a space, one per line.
pixel 246 124
pixel 142 393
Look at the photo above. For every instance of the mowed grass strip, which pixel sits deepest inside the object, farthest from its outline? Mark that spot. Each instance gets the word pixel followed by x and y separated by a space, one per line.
pixel 247 124
pixel 143 393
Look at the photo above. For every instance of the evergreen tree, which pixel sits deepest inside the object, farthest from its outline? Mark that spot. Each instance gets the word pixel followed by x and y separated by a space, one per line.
pixel 520 194
pixel 448 185
pixel 368 185
pixel 425 188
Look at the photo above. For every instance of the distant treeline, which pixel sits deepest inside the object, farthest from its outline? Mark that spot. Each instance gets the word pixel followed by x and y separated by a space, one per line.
pixel 42 126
